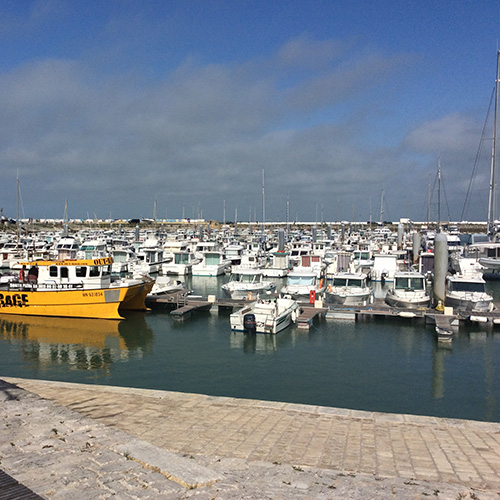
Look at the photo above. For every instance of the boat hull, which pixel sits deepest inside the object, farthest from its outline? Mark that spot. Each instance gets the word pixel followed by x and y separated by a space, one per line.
pixel 470 303
pixel 348 299
pixel 402 302
pixel 135 296
pixel 73 303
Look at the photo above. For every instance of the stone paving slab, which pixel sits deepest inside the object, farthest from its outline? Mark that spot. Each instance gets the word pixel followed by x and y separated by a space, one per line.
pixel 255 449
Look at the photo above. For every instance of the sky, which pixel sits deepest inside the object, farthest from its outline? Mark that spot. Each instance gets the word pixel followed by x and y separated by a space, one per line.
pixel 318 110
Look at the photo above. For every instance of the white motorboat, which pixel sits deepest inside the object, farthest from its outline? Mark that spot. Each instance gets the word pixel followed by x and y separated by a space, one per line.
pixel 468 294
pixel 385 265
pixel 164 285
pixel 348 289
pixel 487 256
pixel 265 316
pixel 150 257
pixel 124 260
pixel 302 282
pixel 280 265
pixel 66 248
pixel 408 291
pixel 181 260
pixel 211 260
pixel 247 283
pixel 233 252
pixel 92 249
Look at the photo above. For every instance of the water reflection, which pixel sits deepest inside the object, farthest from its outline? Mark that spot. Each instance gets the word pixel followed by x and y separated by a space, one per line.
pixel 262 343
pixel 254 343
pixel 78 344
pixel 441 350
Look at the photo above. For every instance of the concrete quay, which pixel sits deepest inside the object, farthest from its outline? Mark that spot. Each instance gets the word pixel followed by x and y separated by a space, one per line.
pixel 64 440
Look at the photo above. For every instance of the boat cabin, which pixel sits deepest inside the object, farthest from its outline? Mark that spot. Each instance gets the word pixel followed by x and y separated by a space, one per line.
pixel 66 274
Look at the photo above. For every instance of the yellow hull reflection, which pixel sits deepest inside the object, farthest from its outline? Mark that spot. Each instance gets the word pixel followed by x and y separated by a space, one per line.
pixel 89 332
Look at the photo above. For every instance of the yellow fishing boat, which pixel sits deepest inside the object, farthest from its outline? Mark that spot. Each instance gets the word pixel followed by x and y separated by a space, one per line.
pixel 80 288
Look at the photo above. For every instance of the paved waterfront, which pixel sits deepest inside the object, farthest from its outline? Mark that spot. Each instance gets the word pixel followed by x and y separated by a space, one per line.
pixel 66 440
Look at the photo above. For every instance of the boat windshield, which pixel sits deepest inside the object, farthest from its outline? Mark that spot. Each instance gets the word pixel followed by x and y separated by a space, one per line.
pixel 408 283
pixel 181 258
pixel 355 282
pixel 250 278
pixel 339 282
pixel 358 282
pixel 467 286
pixel 361 255
pixel 301 280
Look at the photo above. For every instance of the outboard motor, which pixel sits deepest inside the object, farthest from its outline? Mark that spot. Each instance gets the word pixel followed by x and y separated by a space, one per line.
pixel 249 323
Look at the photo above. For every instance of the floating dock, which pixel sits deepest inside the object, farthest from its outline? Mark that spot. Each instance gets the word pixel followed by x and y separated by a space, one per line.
pixel 446 323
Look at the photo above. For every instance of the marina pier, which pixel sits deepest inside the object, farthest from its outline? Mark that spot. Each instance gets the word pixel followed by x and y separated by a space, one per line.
pixel 183 306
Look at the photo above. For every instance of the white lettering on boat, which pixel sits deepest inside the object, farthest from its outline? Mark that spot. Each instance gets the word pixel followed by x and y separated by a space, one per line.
pixel 93 294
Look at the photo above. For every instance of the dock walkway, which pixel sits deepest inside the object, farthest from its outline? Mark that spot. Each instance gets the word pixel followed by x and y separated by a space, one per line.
pixel 229 448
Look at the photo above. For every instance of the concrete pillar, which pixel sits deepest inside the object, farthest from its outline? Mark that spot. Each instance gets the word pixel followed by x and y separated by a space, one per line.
pixel 416 246
pixel 440 268
pixel 400 236
pixel 281 239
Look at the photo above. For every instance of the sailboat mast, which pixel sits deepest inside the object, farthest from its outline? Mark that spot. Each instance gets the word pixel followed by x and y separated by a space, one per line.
pixel 438 228
pixel 263 203
pixel 382 203
pixel 17 214
pixel 491 199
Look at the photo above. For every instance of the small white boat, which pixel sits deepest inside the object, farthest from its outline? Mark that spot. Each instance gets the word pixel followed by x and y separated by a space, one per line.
pixel 164 285
pixel 348 289
pixel 247 283
pixel 181 258
pixel 92 249
pixel 150 257
pixel 408 291
pixel 280 265
pixel 467 293
pixel 302 282
pixel 124 260
pixel 385 265
pixel 211 260
pixel 265 316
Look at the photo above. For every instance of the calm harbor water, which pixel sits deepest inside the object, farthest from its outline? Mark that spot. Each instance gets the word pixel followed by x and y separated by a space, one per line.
pixel 380 365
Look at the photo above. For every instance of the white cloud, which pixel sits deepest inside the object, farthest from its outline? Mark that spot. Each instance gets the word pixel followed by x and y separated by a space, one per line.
pixel 202 134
